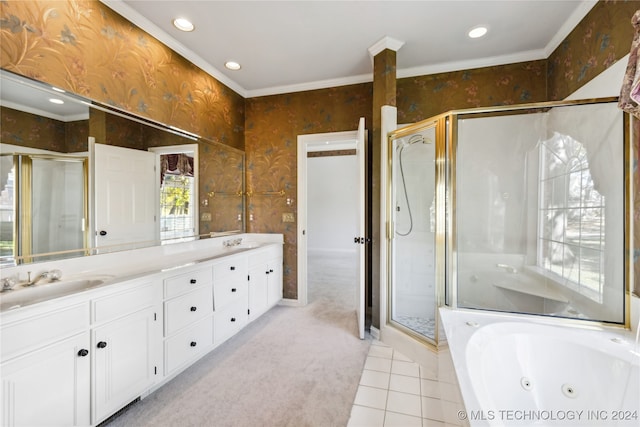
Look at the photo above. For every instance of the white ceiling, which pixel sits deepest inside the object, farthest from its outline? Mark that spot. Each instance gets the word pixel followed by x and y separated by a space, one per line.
pixel 286 46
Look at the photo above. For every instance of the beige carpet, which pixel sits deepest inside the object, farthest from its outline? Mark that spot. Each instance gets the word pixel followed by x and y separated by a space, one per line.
pixel 291 367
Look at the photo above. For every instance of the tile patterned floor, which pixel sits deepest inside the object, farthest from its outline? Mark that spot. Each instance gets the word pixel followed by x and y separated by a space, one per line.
pixel 395 391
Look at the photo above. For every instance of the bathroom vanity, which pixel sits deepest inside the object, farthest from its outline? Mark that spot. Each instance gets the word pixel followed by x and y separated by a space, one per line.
pixel 121 325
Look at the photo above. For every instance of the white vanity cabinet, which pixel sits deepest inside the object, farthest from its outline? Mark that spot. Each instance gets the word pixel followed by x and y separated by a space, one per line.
pixel 188 317
pixel 265 280
pixel 126 346
pixel 45 367
pixel 230 296
pixel 77 359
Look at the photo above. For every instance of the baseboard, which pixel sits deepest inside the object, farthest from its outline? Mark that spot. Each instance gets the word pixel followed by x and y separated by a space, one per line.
pixel 374 332
pixel 289 302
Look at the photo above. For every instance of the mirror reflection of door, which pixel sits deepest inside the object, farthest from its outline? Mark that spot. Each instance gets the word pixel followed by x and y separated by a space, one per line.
pixel 125 201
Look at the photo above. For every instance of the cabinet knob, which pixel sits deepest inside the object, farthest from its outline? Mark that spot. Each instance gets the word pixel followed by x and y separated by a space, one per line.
pixel 83 352
pixel 102 233
pixel 193 344
pixel 233 319
pixel 266 272
pixel 232 268
pixel 233 289
pixel 194 308
pixel 102 344
pixel 193 281
pixel 270 271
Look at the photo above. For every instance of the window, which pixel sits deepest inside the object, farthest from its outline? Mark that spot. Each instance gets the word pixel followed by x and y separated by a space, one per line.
pixel 571 225
pixel 176 217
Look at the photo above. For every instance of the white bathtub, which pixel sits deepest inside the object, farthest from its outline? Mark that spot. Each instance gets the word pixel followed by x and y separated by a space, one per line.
pixel 524 370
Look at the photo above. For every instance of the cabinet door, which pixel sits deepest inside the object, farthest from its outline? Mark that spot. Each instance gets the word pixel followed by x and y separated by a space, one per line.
pixel 258 290
pixel 124 354
pixel 275 282
pixel 49 386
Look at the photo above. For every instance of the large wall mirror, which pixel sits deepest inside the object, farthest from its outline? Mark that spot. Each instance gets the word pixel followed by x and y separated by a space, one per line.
pixel 79 178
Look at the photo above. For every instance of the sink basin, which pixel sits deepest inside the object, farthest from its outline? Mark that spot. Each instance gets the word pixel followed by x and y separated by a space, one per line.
pixel 21 296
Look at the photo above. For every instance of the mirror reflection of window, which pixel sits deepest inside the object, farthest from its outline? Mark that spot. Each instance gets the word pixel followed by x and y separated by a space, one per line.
pixel 176 196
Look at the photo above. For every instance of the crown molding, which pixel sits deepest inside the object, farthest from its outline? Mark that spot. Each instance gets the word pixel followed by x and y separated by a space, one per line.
pixel 570 24
pixel 385 43
pixel 301 87
pixel 44 113
pixel 531 55
pixel 152 29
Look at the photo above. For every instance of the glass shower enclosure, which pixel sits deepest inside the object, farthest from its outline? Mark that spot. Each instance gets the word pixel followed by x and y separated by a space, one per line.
pixel 520 209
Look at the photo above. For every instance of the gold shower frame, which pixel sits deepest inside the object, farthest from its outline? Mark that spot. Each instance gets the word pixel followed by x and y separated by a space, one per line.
pixel 445 254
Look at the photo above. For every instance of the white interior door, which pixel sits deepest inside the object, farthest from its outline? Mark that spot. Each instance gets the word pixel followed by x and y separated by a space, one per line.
pixel 361 239
pixel 125 185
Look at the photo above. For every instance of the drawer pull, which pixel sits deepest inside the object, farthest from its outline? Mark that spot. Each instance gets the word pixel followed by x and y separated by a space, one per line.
pixel 102 344
pixel 233 319
pixel 193 344
pixel 83 352
pixel 193 281
pixel 232 268
pixel 233 289
pixel 194 308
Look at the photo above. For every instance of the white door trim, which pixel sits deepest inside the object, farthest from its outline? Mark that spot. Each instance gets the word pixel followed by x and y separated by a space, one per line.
pixel 306 143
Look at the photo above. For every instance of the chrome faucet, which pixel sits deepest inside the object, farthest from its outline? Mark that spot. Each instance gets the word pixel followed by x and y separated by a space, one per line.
pixel 509 268
pixel 53 276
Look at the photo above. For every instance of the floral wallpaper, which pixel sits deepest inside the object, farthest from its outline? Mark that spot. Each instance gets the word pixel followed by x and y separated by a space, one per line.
pixel 598 41
pixel 221 173
pixel 272 127
pixel 422 97
pixel 86 48
pixel 33 131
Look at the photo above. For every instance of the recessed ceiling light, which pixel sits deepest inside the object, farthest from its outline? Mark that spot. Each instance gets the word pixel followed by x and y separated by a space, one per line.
pixel 183 24
pixel 56 101
pixel 232 65
pixel 57 89
pixel 477 32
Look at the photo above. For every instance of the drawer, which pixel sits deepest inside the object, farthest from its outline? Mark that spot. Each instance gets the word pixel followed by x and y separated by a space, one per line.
pixel 176 285
pixel 229 321
pixel 37 331
pixel 188 308
pixel 232 267
pixel 111 307
pixel 228 290
pixel 264 255
pixel 188 344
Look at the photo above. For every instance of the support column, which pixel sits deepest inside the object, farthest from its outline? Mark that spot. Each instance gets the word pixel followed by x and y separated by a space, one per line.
pixel 384 93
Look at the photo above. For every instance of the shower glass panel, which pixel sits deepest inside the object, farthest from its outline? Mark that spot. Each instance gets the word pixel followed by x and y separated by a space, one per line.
pixel 412 244
pixel 539 214
pixel 51 194
pixel 58 205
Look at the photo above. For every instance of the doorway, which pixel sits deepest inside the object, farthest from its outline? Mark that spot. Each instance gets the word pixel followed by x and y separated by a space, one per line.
pixel 331 193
